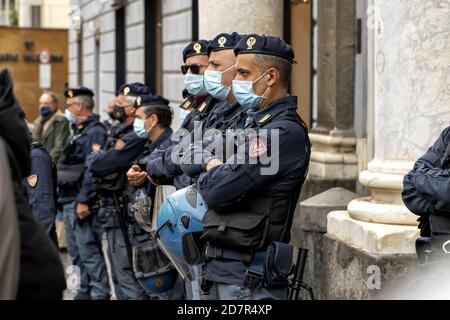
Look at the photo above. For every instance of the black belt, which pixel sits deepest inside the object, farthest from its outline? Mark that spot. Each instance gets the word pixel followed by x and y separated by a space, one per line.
pixel 213 252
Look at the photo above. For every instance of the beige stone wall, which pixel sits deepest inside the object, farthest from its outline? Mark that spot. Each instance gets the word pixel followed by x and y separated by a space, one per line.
pixel 243 16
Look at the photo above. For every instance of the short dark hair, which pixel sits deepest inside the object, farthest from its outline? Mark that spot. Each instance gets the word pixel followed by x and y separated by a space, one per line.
pixel 162 111
pixel 284 67
pixel 87 101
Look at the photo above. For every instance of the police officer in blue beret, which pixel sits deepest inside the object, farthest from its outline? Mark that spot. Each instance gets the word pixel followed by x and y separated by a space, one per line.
pixel 218 81
pixel 196 99
pixel 77 196
pixel 153 123
pixel 252 196
pixel 198 103
pixel 40 188
pixel 127 103
pixel 108 169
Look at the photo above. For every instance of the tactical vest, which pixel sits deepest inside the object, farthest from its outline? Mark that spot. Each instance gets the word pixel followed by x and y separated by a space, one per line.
pixel 258 219
pixel 71 168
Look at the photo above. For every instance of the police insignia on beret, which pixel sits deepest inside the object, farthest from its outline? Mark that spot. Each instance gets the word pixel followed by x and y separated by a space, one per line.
pixel 198 48
pixel 251 43
pixel 222 41
pixel 32 180
pixel 138 101
pixel 70 93
pixel 126 91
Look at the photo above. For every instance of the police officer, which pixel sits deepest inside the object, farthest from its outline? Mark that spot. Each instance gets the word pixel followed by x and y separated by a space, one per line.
pixel 196 98
pixel 111 124
pixel 108 169
pixel 195 56
pixel 40 188
pixel 252 200
pixel 127 102
pixel 218 81
pixel 153 123
pixel 79 200
pixel 426 194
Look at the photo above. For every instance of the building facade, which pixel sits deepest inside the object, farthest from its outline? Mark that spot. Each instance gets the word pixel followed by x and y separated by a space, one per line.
pixel 373 85
pixel 35 13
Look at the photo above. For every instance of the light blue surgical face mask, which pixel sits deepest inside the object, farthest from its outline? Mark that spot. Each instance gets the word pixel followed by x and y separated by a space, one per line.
pixel 139 128
pixel 70 117
pixel 245 95
pixel 184 114
pixel 213 83
pixel 194 84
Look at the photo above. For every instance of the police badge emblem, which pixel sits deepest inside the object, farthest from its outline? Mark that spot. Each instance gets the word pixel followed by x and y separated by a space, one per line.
pixel 257 149
pixel 222 41
pixel 198 48
pixel 32 180
pixel 251 43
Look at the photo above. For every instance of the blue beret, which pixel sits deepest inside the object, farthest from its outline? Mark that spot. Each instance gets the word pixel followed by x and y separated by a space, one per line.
pixel 148 100
pixel 267 45
pixel 74 92
pixel 134 89
pixel 224 41
pixel 196 48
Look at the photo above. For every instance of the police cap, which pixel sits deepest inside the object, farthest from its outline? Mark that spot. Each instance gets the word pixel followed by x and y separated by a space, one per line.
pixel 134 89
pixel 151 99
pixel 75 92
pixel 196 48
pixel 224 41
pixel 266 45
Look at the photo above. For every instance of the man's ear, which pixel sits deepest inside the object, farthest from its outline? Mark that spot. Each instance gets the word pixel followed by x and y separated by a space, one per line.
pixel 274 77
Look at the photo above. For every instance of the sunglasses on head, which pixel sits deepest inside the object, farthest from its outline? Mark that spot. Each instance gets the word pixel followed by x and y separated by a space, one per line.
pixel 195 68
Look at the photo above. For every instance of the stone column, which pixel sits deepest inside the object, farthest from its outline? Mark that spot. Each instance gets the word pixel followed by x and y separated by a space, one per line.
pixel 243 16
pixel 409 50
pixel 333 160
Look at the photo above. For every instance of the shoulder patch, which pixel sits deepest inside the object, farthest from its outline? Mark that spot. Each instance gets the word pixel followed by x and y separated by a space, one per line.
pixel 120 144
pixel 32 180
pixel 257 149
pixel 202 107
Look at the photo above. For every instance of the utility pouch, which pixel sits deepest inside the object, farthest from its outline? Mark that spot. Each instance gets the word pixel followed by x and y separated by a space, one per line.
pixel 238 230
pixel 278 264
pixel 69 174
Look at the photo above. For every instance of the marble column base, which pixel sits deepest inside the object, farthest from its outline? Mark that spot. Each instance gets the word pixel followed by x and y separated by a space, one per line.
pixel 333 157
pixel 376 238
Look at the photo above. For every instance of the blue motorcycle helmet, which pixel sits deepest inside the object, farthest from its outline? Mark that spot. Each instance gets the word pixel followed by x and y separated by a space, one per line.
pixel 153 270
pixel 179 225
